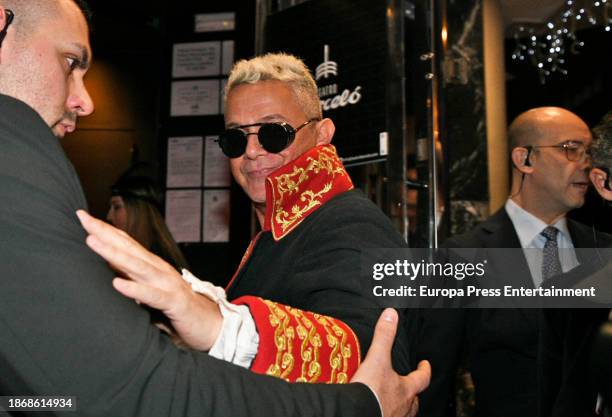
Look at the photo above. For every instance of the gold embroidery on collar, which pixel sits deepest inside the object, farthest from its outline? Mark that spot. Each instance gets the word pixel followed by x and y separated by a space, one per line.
pixel 311 199
pixel 288 184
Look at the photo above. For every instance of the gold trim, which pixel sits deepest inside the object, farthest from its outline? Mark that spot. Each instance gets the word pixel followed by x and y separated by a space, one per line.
pixel 283 340
pixel 288 184
pixel 309 348
pixel 341 350
pixel 311 342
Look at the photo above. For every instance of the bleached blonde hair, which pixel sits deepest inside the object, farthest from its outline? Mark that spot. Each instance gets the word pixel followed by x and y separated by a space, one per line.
pixel 281 67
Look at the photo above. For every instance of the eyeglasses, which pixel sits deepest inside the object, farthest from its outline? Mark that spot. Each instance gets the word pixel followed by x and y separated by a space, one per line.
pixel 273 137
pixel 9 19
pixel 574 150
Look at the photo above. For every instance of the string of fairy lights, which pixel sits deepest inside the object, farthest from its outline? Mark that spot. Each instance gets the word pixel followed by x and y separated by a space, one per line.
pixel 545 46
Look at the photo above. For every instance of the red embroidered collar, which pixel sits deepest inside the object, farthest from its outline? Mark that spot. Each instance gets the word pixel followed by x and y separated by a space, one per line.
pixel 299 188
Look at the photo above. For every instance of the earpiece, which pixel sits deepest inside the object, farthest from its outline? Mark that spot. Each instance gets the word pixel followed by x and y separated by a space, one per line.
pixel 527 161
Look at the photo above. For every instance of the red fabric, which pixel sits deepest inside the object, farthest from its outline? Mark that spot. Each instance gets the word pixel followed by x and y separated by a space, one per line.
pixel 322 166
pixel 301 346
pixel 298 188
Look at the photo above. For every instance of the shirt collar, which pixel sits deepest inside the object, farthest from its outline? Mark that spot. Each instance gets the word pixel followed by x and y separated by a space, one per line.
pixel 528 226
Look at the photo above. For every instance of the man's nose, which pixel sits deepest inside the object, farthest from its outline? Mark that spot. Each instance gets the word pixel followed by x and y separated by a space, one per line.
pixel 79 101
pixel 253 147
pixel 585 163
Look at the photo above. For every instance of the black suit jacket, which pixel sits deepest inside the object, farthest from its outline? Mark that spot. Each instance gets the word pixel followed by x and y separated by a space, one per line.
pixel 568 388
pixel 501 344
pixel 65 331
pixel 317 268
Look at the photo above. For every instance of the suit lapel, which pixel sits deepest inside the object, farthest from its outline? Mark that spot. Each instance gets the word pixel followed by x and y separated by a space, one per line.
pixel 585 239
pixel 582 236
pixel 499 234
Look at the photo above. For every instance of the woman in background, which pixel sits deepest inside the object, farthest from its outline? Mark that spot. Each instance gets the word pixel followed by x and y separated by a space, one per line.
pixel 135 207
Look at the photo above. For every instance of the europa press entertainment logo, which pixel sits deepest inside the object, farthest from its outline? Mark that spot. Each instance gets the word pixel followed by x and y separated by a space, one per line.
pixel 330 99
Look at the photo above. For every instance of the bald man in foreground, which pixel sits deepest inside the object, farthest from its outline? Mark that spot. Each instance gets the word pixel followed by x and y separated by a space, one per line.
pixel 549 178
pixel 64 331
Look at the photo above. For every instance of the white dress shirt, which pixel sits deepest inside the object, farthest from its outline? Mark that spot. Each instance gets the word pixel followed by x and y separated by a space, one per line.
pixel 528 228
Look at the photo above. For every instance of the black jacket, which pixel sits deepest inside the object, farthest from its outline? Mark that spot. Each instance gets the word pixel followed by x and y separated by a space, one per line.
pixel 65 331
pixel 316 268
pixel 501 344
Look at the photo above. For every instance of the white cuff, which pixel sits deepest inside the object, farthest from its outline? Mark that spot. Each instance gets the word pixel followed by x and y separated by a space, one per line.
pixel 238 340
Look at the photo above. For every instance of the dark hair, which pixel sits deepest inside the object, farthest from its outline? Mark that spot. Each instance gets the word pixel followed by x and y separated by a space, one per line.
pixel 143 201
pixel 601 150
pixel 139 188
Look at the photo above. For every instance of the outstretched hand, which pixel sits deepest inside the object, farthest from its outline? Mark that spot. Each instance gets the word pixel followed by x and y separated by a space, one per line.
pixel 397 394
pixel 150 280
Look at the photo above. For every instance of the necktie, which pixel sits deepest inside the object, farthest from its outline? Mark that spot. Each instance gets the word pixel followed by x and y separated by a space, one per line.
pixel 551 265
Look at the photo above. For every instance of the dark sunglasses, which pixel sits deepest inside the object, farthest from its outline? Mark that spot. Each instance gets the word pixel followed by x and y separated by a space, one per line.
pixel 273 137
pixel 9 19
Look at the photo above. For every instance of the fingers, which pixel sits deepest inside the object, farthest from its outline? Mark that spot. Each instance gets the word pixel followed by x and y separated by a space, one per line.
pixel 384 335
pixel 119 249
pixel 414 408
pixel 153 281
pixel 121 259
pixel 151 296
pixel 418 380
pixel 109 235
pixel 97 227
pixel 415 383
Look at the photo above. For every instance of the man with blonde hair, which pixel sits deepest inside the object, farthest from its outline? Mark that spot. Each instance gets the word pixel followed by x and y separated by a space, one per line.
pixel 65 332
pixel 299 310
pixel 314 224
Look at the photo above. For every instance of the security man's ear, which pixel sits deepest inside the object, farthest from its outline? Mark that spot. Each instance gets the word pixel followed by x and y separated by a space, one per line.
pixel 325 131
pixel 521 159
